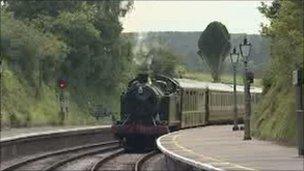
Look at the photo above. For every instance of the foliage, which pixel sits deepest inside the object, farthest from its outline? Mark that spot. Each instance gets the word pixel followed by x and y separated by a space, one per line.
pixel 274 118
pixel 28 50
pixel 33 9
pixel 20 108
pixel 214 45
pixel 164 62
pixel 155 57
pixel 184 46
pixel 80 41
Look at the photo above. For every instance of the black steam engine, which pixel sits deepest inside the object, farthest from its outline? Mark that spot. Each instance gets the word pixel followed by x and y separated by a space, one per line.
pixel 144 111
pixel 155 105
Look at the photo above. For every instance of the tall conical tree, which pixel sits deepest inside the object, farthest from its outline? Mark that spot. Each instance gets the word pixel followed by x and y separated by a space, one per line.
pixel 214 45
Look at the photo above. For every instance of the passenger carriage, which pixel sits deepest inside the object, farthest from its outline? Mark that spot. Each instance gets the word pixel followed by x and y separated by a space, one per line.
pixel 155 105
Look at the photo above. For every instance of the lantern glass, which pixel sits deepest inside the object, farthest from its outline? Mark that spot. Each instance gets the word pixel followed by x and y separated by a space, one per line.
pixel 245 50
pixel 234 57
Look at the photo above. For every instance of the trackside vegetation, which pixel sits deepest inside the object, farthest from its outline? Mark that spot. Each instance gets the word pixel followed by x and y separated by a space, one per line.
pixel 82 42
pixel 78 41
pixel 275 117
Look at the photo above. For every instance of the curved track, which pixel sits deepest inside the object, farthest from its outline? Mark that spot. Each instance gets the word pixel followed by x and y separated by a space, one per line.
pixel 139 165
pixel 53 160
pixel 122 161
pixel 96 157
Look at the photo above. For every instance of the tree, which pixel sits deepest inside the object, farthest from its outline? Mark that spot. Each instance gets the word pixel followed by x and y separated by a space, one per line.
pixel 34 55
pixel 214 45
pixel 163 62
pixel 35 8
pixel 98 55
pixel 273 118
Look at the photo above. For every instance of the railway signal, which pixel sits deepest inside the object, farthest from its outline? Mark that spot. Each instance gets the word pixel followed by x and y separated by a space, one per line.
pixel 62 84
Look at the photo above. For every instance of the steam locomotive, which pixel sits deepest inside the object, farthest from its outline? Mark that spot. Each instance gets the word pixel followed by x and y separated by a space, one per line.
pixel 155 105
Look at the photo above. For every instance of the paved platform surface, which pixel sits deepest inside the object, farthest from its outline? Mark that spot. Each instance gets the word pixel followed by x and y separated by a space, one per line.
pixel 13 133
pixel 219 148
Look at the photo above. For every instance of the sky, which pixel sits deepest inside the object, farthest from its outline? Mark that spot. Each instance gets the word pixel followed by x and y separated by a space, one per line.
pixel 237 16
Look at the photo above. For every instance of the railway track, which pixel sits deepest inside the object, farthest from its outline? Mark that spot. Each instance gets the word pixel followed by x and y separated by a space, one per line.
pixel 24 145
pixel 53 160
pixel 96 157
pixel 120 160
pixel 139 165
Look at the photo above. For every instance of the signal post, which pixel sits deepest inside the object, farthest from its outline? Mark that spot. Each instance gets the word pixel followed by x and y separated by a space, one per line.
pixel 62 84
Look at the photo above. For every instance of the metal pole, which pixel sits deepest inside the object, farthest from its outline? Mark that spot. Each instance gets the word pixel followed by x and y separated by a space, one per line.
pixel 235 127
pixel 62 112
pixel 299 111
pixel 247 135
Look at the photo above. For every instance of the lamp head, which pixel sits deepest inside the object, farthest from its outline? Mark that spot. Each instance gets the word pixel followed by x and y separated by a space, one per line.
pixel 234 57
pixel 245 49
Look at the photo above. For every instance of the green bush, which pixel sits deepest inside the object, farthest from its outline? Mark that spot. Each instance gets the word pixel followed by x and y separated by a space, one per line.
pixel 42 42
pixel 275 116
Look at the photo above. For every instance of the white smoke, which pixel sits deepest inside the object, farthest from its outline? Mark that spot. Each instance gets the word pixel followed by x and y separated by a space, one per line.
pixel 140 49
pixel 143 48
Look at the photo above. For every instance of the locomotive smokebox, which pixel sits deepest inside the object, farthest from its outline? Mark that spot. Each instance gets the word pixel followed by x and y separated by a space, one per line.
pixel 142 100
pixel 143 110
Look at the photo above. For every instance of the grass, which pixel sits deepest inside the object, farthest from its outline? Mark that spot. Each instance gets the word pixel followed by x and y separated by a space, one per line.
pixel 226 78
pixel 20 107
pixel 275 117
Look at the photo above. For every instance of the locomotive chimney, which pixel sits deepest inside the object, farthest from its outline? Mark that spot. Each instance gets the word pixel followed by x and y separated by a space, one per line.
pixel 143 78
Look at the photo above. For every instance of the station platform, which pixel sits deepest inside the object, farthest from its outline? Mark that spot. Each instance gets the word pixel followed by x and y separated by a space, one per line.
pixel 220 148
pixel 15 133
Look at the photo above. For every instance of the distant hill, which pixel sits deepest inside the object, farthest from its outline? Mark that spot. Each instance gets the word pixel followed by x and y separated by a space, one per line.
pixel 184 45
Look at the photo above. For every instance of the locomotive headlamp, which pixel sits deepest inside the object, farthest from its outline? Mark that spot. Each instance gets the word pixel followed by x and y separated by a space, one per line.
pixel 245 49
pixel 140 90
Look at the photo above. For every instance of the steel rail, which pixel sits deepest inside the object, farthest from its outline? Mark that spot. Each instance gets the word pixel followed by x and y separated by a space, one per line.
pixel 139 163
pixel 78 156
pixel 99 163
pixel 59 152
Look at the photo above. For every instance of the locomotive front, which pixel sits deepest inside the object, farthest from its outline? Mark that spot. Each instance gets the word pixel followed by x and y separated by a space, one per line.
pixel 140 113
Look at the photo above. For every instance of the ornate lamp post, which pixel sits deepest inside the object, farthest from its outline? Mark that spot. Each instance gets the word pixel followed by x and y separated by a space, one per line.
pixel 234 57
pixel 245 49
